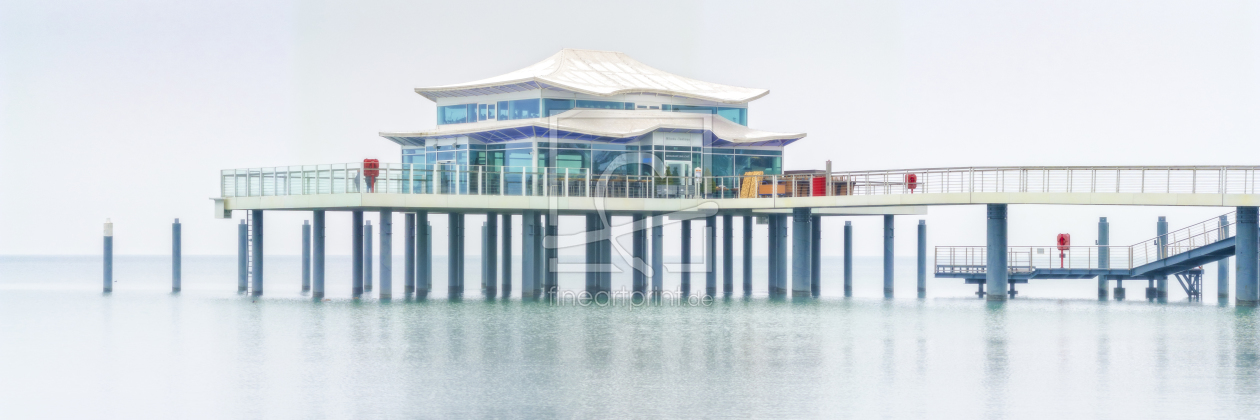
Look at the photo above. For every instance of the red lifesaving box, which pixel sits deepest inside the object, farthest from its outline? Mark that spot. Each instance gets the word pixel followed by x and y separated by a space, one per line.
pixel 371 169
pixel 912 182
pixel 1064 241
pixel 820 186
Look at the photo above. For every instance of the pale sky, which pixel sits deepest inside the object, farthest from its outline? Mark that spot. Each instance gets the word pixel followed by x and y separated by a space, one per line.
pixel 128 109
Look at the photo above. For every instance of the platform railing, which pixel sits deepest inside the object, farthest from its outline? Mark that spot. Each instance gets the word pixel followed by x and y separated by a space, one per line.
pixel 578 182
pixel 959 259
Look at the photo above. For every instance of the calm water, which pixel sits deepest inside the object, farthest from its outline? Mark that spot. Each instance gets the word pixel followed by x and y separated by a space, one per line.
pixel 66 351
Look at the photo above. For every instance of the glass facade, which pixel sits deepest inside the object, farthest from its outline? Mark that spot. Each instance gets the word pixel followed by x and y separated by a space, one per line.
pixel 604 105
pixel 518 109
pixel 735 115
pixel 456 114
pixel 556 106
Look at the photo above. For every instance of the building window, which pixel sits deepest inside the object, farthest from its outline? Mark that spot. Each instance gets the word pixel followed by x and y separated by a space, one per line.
pixel 457 114
pixel 555 106
pixel 604 105
pixel 735 115
pixel 481 112
pixel 770 165
pixel 515 110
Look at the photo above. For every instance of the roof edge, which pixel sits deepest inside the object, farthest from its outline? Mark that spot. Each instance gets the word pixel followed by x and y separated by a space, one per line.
pixel 422 91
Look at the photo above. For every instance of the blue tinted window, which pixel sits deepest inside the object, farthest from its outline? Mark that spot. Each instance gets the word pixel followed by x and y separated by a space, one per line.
pixel 692 108
pixel 604 105
pixel 456 114
pixel 481 112
pixel 490 111
pixel 515 110
pixel 735 115
pixel 556 106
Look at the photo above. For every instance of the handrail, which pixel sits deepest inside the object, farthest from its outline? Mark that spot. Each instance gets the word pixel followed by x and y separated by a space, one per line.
pixel 418 178
pixel 951 259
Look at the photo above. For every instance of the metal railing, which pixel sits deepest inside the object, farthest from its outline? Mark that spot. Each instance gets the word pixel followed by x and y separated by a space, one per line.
pixel 973 259
pixel 578 182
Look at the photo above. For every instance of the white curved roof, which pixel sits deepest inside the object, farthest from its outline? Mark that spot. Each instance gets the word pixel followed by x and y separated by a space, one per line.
pixel 599 73
pixel 617 124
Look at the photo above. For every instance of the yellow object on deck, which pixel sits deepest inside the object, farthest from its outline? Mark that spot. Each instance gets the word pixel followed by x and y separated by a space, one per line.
pixel 748 188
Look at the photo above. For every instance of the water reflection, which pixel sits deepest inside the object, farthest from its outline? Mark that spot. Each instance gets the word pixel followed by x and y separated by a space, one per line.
pixel 996 362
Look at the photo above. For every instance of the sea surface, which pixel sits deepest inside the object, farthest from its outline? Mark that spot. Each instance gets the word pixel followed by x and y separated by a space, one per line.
pixel 69 351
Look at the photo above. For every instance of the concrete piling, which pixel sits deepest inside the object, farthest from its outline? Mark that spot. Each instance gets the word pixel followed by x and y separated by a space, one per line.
pixel 367 256
pixel 728 257
pixel 317 248
pixel 605 254
pixel 658 255
pixel 780 250
pixel 356 254
pixel 409 253
pixel 922 260
pixel 710 255
pixel 540 272
pixel 387 255
pixel 888 255
pixel 424 254
pixel 747 254
pixel 506 265
pixel 996 264
pixel 490 259
pixel 1161 281
pixel 848 258
pixel 551 279
pixel 529 279
pixel 455 259
pixel 107 277
pixel 802 232
pixel 242 257
pixel 772 254
pixel 176 269
pixel 1245 258
pixel 306 256
pixel 686 256
pixel 1222 267
pixel 257 254
pixel 638 251
pixel 815 256
pixel 1104 255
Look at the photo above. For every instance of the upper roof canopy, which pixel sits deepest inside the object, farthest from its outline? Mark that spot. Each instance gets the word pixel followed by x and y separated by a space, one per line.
pixel 598 73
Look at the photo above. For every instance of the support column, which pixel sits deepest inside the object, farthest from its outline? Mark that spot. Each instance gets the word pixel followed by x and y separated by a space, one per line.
pixel 1245 258
pixel 455 259
pixel 592 254
pixel 772 254
pixel 710 255
pixel 356 253
pixel 506 242
pixel 176 256
pixel 848 258
pixel 781 247
pixel 540 254
pixel 922 259
pixel 605 254
pixel 490 259
pixel 387 255
pixel 108 258
pixel 802 232
pixel 258 253
pixel 658 255
pixel 1161 281
pixel 815 256
pixel 638 250
pixel 367 257
pixel 528 256
pixel 747 254
pixel 317 259
pixel 242 257
pixel 995 269
pixel 306 256
pixel 686 256
pixel 485 245
pixel 424 254
pixel 409 253
pixel 1222 266
pixel 551 279
pixel 888 255
pixel 1104 255
pixel 728 257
